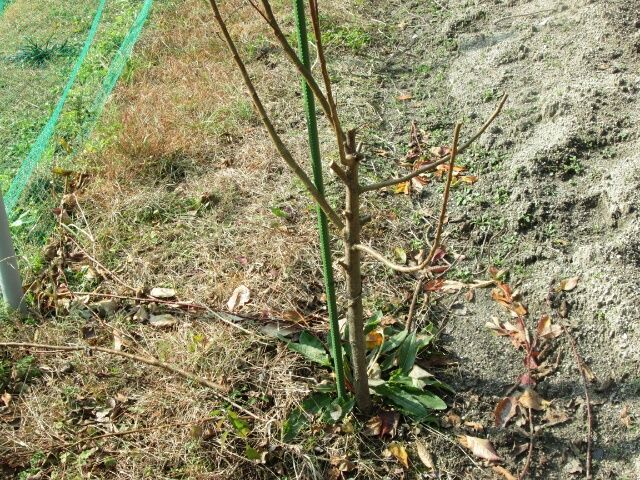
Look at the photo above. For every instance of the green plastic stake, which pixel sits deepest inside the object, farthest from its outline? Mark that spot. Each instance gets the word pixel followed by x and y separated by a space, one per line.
pixel 323 226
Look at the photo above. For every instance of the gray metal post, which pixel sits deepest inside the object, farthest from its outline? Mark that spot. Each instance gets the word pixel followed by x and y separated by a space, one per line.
pixel 10 282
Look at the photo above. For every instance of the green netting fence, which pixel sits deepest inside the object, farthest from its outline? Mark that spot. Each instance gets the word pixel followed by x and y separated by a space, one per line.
pixel 40 150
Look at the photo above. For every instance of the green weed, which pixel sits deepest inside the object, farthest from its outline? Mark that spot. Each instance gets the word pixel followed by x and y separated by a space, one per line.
pixel 37 54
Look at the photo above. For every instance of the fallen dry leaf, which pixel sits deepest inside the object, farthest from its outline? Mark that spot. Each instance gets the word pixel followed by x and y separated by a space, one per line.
pixel 480 447
pixel 450 420
pixel 531 399
pixel 425 456
pixel 397 450
pixel 546 329
pixel 403 188
pixel 574 466
pixel 118 342
pixel 383 424
pixel 340 465
pixel 568 284
pixel 554 416
pixel 293 316
pixel 374 339
pixel 404 97
pixel 503 471
pixel 504 411
pixel 6 398
pixel 239 297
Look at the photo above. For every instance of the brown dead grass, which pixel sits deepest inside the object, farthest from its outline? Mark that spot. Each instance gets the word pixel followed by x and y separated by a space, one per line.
pixel 185 183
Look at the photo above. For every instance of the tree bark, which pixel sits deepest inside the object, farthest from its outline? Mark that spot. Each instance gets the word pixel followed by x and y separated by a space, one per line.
pixel 355 317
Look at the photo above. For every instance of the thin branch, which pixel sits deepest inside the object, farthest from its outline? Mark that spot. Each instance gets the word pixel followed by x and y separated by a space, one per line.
pixel 133 431
pixel 338 170
pixel 527 463
pixel 102 267
pixel 317 33
pixel 293 57
pixel 146 360
pixel 432 166
pixel 187 305
pixel 445 199
pixel 438 238
pixel 282 149
pixel 587 400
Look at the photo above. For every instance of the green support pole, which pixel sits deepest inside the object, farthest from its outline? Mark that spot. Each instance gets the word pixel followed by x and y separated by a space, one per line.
pixel 323 227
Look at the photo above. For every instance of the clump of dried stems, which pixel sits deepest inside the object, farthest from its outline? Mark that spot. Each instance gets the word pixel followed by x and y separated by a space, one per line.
pixel 348 224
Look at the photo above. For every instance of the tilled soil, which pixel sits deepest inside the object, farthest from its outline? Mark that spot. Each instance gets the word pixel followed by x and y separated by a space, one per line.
pixel 557 197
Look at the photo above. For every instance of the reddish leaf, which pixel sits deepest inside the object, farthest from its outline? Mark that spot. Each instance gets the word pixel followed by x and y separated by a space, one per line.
pixel 525 380
pixel 504 411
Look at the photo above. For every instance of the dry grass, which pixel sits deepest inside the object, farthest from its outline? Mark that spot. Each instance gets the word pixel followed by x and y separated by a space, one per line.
pixel 185 185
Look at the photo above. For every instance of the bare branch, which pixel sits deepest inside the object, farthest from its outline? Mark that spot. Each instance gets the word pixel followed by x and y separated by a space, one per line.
pixel 432 166
pixel 282 149
pixel 443 214
pixel 382 259
pixel 293 57
pixel 146 360
pixel 445 199
pixel 337 169
pixel 445 196
pixel 315 21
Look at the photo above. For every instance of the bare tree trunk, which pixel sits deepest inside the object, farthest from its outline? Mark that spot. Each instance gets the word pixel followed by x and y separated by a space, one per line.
pixel 355 317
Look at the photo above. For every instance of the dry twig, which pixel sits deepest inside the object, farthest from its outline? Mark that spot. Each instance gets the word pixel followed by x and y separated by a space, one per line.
pixel 443 214
pixel 264 116
pixel 587 400
pixel 146 360
pixel 527 463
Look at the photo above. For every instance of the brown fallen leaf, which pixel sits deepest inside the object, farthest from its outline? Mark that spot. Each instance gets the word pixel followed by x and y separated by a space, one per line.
pixel 546 330
pixel 554 416
pixel 450 420
pixel 239 297
pixel 568 284
pixel 397 450
pixel 383 424
pixel 404 97
pixel 6 398
pixel 504 411
pixel 517 309
pixel 374 339
pixel 531 399
pixel 480 447
pixel 425 456
pixel 503 471
pixel 340 465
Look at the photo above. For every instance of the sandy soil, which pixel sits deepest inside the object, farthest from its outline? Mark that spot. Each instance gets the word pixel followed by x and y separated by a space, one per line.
pixel 557 195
